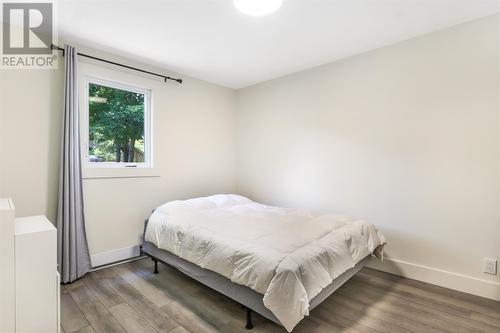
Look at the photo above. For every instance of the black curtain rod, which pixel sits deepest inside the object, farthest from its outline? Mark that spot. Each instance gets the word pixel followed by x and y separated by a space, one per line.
pixel 55 47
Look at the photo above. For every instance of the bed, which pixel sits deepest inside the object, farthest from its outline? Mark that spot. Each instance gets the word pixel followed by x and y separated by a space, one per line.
pixel 278 262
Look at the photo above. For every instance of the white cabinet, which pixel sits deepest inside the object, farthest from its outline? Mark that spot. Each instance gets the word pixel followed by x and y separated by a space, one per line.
pixel 7 269
pixel 36 275
pixel 29 282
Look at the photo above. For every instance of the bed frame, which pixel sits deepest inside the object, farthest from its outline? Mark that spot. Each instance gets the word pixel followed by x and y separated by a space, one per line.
pixel 247 297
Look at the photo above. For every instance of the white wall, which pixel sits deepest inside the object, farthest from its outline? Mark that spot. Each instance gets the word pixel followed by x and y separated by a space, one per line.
pixel 30 116
pixel 406 137
pixel 194 143
pixel 194 155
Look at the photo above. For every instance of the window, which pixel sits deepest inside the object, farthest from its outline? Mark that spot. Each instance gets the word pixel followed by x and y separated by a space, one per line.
pixel 118 125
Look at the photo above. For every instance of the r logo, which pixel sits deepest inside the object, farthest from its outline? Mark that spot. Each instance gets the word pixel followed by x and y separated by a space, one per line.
pixel 27 28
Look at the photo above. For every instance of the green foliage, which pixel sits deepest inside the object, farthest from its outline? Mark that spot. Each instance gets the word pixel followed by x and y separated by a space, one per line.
pixel 116 123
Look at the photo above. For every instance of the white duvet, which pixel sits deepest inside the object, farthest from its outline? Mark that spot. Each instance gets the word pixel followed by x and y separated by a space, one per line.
pixel 287 255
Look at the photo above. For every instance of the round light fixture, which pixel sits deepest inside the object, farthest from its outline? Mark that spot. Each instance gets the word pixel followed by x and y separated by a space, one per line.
pixel 257 7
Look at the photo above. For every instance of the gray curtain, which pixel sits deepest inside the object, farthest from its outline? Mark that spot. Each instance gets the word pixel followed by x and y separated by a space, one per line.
pixel 72 249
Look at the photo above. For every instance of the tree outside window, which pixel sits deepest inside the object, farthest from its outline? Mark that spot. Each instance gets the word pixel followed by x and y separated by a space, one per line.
pixel 116 119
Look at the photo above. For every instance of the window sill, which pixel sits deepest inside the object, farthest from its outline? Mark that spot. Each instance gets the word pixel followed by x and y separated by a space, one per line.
pixel 103 173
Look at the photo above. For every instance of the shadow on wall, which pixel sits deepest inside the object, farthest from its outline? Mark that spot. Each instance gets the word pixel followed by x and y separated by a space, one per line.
pixel 55 124
pixel 409 245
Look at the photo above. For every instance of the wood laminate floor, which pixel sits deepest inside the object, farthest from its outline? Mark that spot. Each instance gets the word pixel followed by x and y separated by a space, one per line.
pixel 130 298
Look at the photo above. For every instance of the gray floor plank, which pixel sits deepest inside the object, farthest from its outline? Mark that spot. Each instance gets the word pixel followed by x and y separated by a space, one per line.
pixel 94 311
pixel 486 319
pixel 72 319
pixel 69 286
pixel 143 306
pixel 397 316
pixel 179 329
pixel 106 273
pixel 148 289
pixel 464 299
pixel 130 319
pixel 371 302
pixel 87 329
pixel 404 308
pixel 444 296
pixel 103 290
pixel 369 282
pixel 357 317
pixel 188 319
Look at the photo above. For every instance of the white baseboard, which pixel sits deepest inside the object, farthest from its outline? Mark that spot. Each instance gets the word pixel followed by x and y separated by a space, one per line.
pixel 439 277
pixel 109 257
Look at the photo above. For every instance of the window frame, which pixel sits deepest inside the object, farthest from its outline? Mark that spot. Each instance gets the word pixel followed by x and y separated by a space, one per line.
pixel 148 125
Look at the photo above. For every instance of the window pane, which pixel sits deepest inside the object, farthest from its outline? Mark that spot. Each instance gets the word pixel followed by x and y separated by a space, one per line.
pixel 116 125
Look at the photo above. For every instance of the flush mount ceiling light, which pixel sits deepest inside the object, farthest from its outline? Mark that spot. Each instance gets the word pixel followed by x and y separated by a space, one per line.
pixel 257 7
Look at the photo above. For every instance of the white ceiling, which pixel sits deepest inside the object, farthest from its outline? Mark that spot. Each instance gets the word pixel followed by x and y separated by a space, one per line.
pixel 211 40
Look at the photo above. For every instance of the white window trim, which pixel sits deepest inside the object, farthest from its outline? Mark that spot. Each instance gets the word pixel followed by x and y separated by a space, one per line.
pixel 148 125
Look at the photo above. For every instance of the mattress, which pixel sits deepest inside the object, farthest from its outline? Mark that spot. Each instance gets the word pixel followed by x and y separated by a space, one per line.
pixel 289 256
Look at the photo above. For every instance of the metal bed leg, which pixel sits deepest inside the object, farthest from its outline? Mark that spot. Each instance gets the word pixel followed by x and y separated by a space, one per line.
pixel 249 325
pixel 156 266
